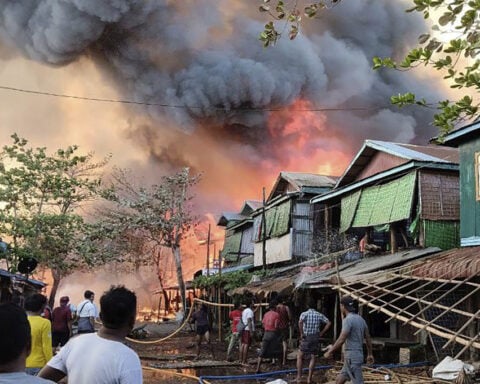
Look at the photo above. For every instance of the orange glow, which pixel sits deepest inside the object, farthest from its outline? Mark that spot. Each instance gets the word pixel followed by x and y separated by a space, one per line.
pixel 307 145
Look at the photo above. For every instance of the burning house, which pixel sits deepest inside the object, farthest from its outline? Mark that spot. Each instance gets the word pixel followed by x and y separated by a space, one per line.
pixel 238 246
pixel 288 218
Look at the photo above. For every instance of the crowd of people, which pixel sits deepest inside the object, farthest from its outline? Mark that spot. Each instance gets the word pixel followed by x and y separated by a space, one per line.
pixel 37 347
pixel 312 326
pixel 28 340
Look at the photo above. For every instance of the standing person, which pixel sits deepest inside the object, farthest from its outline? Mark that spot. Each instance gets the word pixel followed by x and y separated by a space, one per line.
pixel 354 331
pixel 285 319
pixel 310 331
pixel 101 357
pixel 247 334
pixel 15 344
pixel 235 317
pixel 61 323
pixel 41 332
pixel 271 335
pixel 200 318
pixel 86 313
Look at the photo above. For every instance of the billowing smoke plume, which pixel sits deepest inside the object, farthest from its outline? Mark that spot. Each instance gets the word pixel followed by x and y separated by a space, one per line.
pixel 203 61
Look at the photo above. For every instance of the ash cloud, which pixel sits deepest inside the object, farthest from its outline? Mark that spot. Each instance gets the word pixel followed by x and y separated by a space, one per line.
pixel 205 55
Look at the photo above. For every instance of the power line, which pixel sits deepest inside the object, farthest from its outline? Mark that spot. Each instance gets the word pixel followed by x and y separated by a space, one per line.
pixel 180 106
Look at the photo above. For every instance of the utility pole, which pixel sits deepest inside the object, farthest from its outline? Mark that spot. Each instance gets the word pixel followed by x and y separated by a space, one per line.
pixel 264 235
pixel 208 251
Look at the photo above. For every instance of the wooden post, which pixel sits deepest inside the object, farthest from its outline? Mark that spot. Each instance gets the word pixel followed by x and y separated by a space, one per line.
pixel 208 251
pixel 393 240
pixel 264 235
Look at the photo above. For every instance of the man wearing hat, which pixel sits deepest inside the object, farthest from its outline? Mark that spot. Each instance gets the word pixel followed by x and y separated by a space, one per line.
pixel 61 323
pixel 354 331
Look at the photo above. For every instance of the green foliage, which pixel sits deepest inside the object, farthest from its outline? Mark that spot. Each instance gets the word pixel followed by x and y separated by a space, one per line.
pixel 143 221
pixel 227 281
pixel 288 13
pixel 40 195
pixel 455 58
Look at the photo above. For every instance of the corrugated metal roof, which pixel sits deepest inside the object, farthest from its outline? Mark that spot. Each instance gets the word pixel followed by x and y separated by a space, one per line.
pixel 303 182
pixel 424 153
pixel 364 266
pixel 21 278
pixel 433 153
pixel 452 264
pixel 309 179
pixel 252 205
pixel 228 217
pixel 462 134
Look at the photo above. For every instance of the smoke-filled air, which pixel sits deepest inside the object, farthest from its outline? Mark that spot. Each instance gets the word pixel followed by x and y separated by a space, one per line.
pixel 215 99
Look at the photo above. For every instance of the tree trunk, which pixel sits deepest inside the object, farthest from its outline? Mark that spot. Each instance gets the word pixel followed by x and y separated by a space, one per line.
pixel 56 283
pixel 164 293
pixel 181 283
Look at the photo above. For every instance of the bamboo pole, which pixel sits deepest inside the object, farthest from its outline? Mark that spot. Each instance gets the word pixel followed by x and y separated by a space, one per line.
pixel 439 280
pixel 420 287
pixel 470 343
pixel 467 323
pixel 417 325
pixel 443 295
pixel 457 303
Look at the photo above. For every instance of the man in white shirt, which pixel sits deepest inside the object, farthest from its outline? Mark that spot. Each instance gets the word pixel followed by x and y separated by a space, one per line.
pixel 86 313
pixel 102 357
pixel 247 334
pixel 15 345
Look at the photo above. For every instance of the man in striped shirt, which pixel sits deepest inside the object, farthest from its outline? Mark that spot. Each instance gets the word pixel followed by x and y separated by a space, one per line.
pixel 312 326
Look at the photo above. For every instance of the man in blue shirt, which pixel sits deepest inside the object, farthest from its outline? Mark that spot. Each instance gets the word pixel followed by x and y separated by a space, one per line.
pixel 354 331
pixel 310 332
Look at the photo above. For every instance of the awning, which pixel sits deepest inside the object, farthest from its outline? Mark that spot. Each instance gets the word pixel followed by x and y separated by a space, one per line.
pixel 386 203
pixel 231 248
pixel 277 221
pixel 237 268
pixel 261 289
pixel 380 204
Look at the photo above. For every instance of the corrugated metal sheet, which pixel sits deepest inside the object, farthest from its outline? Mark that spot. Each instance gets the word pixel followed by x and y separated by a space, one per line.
pixel 452 264
pixel 246 246
pixel 302 225
pixel 371 264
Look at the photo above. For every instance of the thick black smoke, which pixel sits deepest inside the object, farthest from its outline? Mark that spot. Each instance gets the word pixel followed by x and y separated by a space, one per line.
pixel 204 57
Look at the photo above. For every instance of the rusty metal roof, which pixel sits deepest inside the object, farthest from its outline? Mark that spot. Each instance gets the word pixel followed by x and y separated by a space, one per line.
pixel 454 263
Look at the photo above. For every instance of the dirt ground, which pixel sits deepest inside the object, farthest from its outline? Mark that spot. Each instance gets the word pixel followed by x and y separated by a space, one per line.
pixel 176 355
pixel 180 350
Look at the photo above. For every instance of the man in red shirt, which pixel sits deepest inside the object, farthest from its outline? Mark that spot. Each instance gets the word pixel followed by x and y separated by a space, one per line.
pixel 271 336
pixel 235 317
pixel 284 322
pixel 61 323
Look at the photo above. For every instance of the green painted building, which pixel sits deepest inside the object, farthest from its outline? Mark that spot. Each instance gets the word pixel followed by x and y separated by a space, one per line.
pixel 467 139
